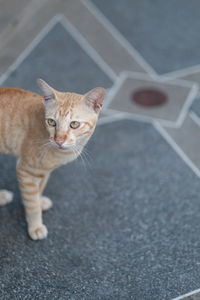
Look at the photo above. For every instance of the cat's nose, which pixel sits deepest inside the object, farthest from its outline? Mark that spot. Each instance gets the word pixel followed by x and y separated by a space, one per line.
pixel 59 141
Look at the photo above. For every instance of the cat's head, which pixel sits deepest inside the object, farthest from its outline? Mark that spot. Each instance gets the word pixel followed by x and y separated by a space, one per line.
pixel 70 118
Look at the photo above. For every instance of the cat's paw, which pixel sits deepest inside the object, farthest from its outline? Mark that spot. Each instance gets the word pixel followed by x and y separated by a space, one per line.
pixel 38 233
pixel 46 203
pixel 5 197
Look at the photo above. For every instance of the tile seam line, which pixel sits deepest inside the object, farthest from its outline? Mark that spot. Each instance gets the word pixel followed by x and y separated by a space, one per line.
pixel 53 21
pixel 158 127
pixel 182 72
pixel 159 79
pixel 195 117
pixel 58 18
pixel 119 37
pixel 181 297
pixel 144 119
pixel 138 57
pixel 110 119
pixel 30 47
pixel 85 45
pixel 115 87
pixel 110 27
pixel 177 149
pixel 186 106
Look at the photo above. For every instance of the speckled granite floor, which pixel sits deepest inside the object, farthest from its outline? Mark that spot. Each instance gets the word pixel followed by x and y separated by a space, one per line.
pixel 159 25
pixel 113 232
pixel 132 232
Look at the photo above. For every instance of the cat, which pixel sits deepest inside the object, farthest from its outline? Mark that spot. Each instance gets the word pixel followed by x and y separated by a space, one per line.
pixel 44 133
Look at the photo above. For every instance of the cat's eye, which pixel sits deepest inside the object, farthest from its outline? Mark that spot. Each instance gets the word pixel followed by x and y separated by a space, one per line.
pixel 51 122
pixel 75 124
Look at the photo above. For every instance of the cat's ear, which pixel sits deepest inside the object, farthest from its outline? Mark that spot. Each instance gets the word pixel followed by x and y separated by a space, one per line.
pixel 94 98
pixel 48 91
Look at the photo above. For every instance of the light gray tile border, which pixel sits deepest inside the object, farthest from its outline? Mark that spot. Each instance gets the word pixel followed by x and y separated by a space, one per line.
pixel 119 37
pixel 14 40
pixel 109 117
pixel 194 76
pixel 182 72
pixel 192 92
pixel 87 47
pixel 114 53
pixel 38 13
pixel 185 140
pixel 179 149
pixel 193 297
pixel 29 48
pixel 74 33
pixel 189 73
pixel 106 116
pixel 195 118
pixel 163 131
pixel 190 294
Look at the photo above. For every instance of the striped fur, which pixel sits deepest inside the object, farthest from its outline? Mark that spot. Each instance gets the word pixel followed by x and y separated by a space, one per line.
pixel 40 148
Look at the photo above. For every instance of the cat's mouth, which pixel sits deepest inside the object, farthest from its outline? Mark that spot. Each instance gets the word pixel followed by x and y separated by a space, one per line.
pixel 62 147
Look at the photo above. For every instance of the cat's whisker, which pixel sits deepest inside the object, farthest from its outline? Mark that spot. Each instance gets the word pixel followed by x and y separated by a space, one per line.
pixel 79 152
pixel 76 150
pixel 86 158
pixel 87 155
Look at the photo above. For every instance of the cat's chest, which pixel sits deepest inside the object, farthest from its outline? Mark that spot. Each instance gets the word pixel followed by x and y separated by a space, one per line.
pixel 64 158
pixel 51 158
pixel 58 158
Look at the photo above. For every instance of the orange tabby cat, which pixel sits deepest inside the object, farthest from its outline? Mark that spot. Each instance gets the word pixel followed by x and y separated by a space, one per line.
pixel 44 133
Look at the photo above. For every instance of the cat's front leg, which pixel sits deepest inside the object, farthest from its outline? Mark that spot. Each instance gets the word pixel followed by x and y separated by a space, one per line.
pixel 29 182
pixel 46 203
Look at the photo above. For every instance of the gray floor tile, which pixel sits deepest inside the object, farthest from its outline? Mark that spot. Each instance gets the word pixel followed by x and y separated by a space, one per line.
pixel 95 32
pixel 15 39
pixel 105 114
pixel 193 76
pixel 188 139
pixel 60 61
pixel 127 227
pixel 166 33
pixel 169 112
pixel 196 106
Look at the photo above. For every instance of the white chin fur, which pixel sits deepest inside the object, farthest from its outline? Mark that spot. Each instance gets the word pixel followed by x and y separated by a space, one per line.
pixel 64 147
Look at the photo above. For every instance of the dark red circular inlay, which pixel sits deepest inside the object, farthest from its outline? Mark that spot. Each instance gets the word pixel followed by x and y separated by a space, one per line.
pixel 149 97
